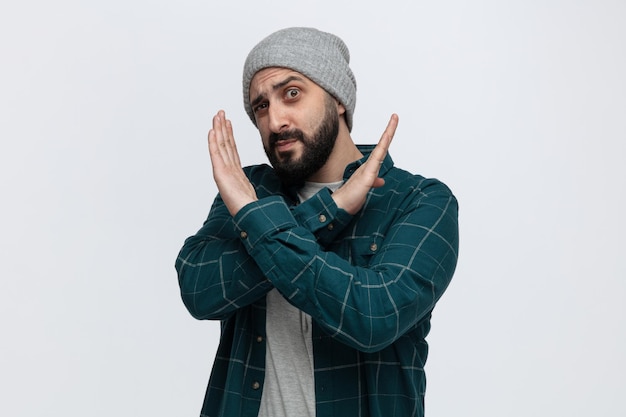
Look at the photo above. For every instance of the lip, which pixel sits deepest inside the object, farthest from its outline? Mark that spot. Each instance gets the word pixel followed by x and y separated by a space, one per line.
pixel 284 145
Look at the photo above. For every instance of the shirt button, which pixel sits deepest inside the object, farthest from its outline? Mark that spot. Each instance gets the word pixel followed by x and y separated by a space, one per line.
pixel 256 385
pixel 330 226
pixel 373 247
pixel 259 339
pixel 322 218
pixel 243 234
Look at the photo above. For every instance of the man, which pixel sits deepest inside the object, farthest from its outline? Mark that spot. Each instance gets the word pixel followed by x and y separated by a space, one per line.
pixel 324 268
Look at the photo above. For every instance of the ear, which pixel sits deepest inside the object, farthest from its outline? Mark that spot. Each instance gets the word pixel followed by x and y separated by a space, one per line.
pixel 340 108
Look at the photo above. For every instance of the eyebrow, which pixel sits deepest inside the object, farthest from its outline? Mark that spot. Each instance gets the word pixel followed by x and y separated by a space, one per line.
pixel 275 87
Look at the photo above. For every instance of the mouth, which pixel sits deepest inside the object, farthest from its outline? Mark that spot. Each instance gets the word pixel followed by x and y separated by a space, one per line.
pixel 284 145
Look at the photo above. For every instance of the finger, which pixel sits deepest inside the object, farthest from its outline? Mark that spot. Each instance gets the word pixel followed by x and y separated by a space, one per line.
pixel 392 126
pixel 222 138
pixel 214 150
pixel 388 134
pixel 379 153
pixel 229 146
pixel 231 136
pixel 217 143
pixel 220 131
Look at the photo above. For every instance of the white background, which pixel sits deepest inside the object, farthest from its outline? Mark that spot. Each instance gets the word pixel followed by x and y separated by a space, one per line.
pixel 519 106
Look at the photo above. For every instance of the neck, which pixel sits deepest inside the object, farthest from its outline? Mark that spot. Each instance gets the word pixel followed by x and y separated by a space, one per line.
pixel 344 152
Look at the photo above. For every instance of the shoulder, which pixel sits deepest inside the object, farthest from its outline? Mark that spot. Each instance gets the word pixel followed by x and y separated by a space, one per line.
pixel 259 173
pixel 401 180
pixel 405 192
pixel 264 180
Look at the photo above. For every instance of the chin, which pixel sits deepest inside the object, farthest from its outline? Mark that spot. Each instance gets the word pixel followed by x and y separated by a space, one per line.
pixel 287 157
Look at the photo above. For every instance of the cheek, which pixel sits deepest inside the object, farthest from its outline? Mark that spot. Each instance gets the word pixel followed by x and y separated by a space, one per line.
pixel 321 115
pixel 261 125
pixel 264 139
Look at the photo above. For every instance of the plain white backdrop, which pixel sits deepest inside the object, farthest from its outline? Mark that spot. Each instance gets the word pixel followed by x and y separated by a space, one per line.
pixel 519 106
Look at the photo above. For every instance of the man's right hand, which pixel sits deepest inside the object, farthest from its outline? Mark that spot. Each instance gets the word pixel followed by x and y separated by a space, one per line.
pixel 232 183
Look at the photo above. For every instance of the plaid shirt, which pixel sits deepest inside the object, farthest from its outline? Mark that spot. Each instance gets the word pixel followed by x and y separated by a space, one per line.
pixel 368 281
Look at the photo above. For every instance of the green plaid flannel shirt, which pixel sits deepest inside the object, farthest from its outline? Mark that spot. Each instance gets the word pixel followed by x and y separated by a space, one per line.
pixel 368 281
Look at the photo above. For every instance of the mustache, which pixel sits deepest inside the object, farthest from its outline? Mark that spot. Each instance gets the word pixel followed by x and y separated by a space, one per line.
pixel 285 135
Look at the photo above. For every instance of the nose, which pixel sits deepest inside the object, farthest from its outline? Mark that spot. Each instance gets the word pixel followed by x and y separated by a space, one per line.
pixel 278 120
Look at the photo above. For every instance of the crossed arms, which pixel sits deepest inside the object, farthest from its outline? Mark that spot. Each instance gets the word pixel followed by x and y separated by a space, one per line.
pixel 368 302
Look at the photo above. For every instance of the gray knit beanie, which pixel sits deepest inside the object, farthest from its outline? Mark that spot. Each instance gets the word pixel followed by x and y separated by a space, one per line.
pixel 320 56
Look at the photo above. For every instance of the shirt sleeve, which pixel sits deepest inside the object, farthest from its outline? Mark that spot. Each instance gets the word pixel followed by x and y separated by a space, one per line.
pixel 365 306
pixel 321 216
pixel 215 273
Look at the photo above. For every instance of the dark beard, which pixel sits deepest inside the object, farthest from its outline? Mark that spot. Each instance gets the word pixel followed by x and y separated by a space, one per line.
pixel 317 149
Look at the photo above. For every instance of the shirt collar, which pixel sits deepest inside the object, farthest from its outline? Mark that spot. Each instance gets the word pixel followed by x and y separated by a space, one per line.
pixel 366 150
pixel 387 164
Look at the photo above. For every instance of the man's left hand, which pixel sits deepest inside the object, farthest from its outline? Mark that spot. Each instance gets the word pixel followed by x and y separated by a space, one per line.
pixel 351 195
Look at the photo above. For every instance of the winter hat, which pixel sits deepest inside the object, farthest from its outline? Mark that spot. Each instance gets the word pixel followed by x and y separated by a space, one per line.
pixel 320 56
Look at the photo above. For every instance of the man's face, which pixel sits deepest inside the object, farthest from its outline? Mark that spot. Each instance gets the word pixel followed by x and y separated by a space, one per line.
pixel 298 122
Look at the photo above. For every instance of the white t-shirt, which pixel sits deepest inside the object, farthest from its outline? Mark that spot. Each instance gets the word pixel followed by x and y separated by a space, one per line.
pixel 289 387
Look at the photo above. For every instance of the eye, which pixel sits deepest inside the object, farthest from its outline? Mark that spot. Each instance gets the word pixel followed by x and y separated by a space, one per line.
pixel 292 93
pixel 259 107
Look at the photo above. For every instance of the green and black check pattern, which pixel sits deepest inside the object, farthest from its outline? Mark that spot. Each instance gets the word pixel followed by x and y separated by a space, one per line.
pixel 369 282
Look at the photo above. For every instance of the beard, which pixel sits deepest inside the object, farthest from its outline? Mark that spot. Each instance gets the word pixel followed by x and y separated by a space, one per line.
pixel 316 151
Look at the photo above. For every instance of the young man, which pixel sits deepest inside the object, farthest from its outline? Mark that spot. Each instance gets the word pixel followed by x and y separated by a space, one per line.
pixel 325 267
